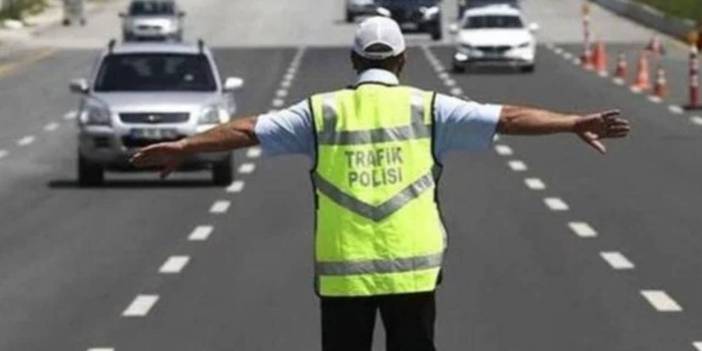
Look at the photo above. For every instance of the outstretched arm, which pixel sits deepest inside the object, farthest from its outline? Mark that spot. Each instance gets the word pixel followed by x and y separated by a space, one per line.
pixel 229 136
pixel 590 128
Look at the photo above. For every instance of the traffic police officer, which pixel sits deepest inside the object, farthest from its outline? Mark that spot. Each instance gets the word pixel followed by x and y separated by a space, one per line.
pixel 377 149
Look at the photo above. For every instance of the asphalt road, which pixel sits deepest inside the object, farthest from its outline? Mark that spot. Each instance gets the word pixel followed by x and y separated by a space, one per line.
pixel 526 268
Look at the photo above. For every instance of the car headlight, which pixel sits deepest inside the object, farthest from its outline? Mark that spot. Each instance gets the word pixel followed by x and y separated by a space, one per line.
pixel 210 115
pixel 429 12
pixel 524 45
pixel 96 115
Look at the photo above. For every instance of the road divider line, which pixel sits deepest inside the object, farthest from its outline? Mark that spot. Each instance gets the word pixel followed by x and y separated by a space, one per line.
pixel 675 109
pixel 582 229
pixel 201 233
pixel 556 204
pixel 247 168
pixel 534 184
pixel 617 260
pixel 236 187
pixel 253 152
pixel 50 127
pixel 503 150
pixel 220 206
pixel 661 301
pixel 27 140
pixel 174 265
pixel 517 166
pixel 141 306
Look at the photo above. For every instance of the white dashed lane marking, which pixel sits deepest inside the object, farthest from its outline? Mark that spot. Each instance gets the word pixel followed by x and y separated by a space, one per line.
pixel 220 206
pixel 281 93
pixel 247 168
pixel 517 166
pixel 141 306
pixel 556 204
pixel 534 184
pixel 29 139
pixel 253 152
pixel 174 265
pixel 504 150
pixel 617 260
pixel 201 233
pixel 697 345
pixel 582 229
pixel 3 154
pixel 696 120
pixel 655 99
pixel 70 115
pixel 676 109
pixel 456 91
pixel 661 301
pixel 618 81
pixel 278 103
pixel 450 83
pixel 236 187
pixel 50 127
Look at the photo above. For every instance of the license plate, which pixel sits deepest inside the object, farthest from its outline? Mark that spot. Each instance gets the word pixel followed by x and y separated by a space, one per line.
pixel 409 26
pixel 153 133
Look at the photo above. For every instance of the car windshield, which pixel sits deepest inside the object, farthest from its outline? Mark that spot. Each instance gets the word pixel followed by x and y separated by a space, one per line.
pixel 395 3
pixel 155 72
pixel 151 8
pixel 486 22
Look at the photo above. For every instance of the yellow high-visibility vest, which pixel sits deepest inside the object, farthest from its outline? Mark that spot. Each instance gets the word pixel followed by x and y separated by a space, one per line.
pixel 378 227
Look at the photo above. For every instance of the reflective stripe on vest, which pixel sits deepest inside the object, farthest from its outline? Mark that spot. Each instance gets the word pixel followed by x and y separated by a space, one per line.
pixel 378 226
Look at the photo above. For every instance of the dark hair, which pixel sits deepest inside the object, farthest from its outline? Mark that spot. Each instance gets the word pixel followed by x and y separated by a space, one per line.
pixel 392 64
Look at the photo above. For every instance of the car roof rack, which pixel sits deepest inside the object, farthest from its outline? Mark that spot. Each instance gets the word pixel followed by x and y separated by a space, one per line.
pixel 201 46
pixel 111 45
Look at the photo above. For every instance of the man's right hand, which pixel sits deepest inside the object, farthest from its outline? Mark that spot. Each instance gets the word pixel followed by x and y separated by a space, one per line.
pixel 166 156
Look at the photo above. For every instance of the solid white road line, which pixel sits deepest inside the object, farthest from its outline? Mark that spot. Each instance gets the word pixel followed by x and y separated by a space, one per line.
pixel 617 260
pixel 675 109
pixel 503 150
pixel 3 153
pixel 26 140
pixel 247 168
pixel 253 152
pixel 517 166
pixel 697 345
pixel 70 115
pixel 201 233
pixel 556 204
pixel 696 120
pixel 236 187
pixel 174 265
pixel 661 301
pixel 278 103
pixel 50 127
pixel 220 206
pixel 534 184
pixel 582 229
pixel 141 306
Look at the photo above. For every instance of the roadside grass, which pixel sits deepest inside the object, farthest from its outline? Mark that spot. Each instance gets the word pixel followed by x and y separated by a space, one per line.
pixel 690 9
pixel 17 9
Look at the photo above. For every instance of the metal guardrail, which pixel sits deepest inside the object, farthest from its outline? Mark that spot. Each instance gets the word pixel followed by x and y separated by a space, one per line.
pixel 650 17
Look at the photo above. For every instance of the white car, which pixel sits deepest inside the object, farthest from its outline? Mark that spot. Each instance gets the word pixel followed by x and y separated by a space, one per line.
pixel 494 34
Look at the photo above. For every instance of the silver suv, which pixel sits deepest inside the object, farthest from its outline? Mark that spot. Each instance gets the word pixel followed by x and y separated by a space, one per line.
pixel 152 20
pixel 144 93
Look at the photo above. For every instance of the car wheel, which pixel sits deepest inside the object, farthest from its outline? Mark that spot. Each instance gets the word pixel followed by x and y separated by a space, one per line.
pixel 223 171
pixel 437 33
pixel 458 68
pixel 89 173
pixel 528 69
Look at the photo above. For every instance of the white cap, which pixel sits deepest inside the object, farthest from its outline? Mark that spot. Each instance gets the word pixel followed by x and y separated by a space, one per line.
pixel 378 38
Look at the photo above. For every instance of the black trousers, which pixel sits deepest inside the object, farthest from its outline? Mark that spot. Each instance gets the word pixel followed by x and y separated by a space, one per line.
pixel 348 322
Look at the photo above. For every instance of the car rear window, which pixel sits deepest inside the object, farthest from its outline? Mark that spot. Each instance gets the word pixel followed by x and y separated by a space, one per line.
pixel 151 8
pixel 484 22
pixel 155 72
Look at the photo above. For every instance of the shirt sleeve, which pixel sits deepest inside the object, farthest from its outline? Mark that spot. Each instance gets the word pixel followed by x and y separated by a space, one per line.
pixel 463 125
pixel 286 132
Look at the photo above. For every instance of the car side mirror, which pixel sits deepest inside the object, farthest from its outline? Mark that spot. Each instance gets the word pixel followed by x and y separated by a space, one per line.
pixel 79 86
pixel 233 83
pixel 453 28
pixel 534 27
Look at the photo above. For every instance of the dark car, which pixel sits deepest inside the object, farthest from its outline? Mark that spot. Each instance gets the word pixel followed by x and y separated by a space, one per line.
pixel 414 16
pixel 464 5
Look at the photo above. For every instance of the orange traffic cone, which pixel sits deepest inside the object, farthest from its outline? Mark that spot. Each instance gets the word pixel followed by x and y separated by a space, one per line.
pixel 622 68
pixel 588 59
pixel 643 80
pixel 601 59
pixel 660 89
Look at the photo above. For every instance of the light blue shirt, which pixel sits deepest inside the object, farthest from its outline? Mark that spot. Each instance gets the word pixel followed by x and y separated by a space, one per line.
pixel 459 124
